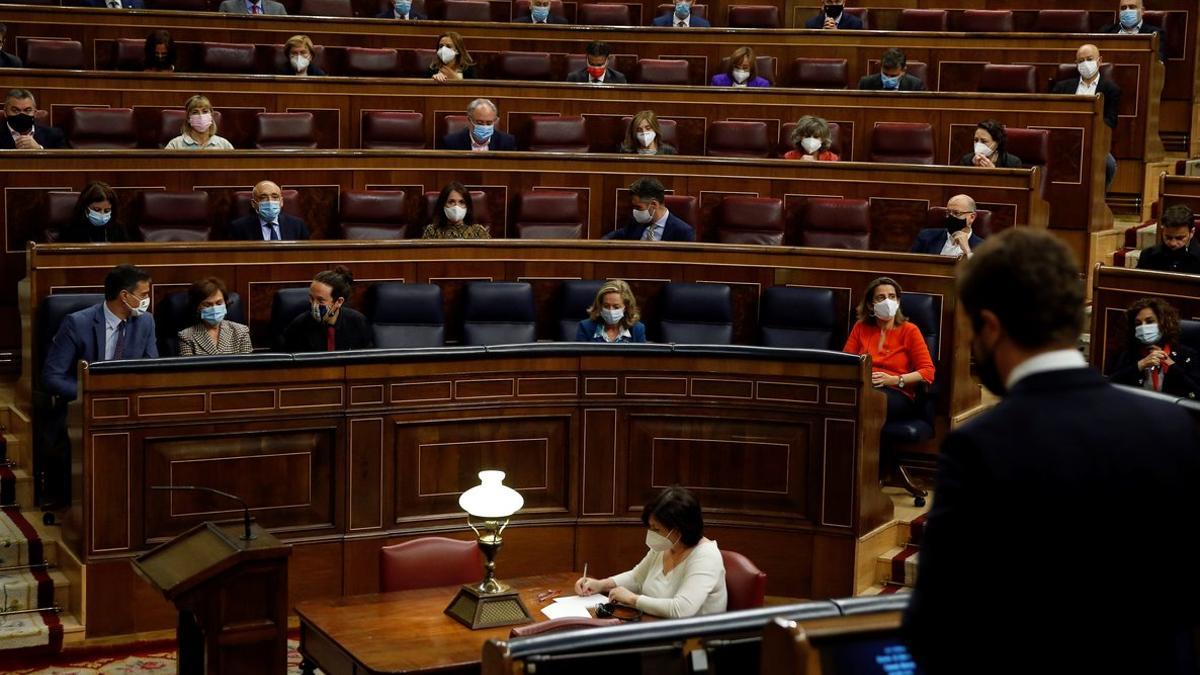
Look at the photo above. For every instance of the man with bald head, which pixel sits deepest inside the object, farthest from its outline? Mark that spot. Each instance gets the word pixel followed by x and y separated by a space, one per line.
pixel 1130 21
pixel 268 222
pixel 1089 82
pixel 956 238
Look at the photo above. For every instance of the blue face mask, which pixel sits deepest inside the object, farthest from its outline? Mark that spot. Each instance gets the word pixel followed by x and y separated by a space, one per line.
pixel 890 82
pixel 683 10
pixel 269 211
pixel 540 13
pixel 98 219
pixel 403 7
pixel 213 315
pixel 1129 18
pixel 482 132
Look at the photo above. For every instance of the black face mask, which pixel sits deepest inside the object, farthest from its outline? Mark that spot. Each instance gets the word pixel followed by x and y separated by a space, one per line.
pixel 955 224
pixel 22 123
pixel 833 11
pixel 987 372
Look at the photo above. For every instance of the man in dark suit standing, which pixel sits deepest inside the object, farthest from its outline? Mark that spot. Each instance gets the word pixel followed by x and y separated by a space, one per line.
pixel 651 219
pixel 597 70
pixel 401 10
pixel 22 132
pixel 1089 83
pixel 1007 579
pixel 893 75
pixel 957 238
pixel 7 60
pixel 833 16
pixel 682 17
pixel 1179 252
pixel 268 222
pixel 539 12
pixel 1130 22
pixel 481 134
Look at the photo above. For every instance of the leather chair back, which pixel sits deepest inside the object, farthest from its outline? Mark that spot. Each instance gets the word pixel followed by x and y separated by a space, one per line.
pixel 935 20
pixel 498 313
pixel 754 16
pixel 522 66
pixel 751 220
pixel 429 562
pixel 287 304
pixel 830 222
pixel 560 625
pixel 685 207
pixel 798 317
pixel 729 138
pixel 835 139
pixel 467 10
pixel 902 143
pixel 1061 21
pixel 53 309
pixel 986 21
pixel 863 14
pixel 171 315
pixel 393 130
pixel 936 217
pixel 1031 145
pixel 130 54
pixel 549 214
pixel 745 584
pixel 174 216
pixel 924 311
pixel 565 133
pixel 170 121
pixel 406 315
pixel 694 313
pixel 576 296
pixel 60 211
pixel 767 67
pixel 334 8
pixel 225 57
pixel 276 131
pixel 372 214
pixel 1189 333
pixel 55 53
pixel 604 14
pixel 1006 78
pixel 819 73
pixel 372 62
pixel 661 71
pixel 102 128
pixel 1175 25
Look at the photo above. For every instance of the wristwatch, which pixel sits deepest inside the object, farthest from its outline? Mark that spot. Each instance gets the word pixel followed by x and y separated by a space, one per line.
pixel 901 383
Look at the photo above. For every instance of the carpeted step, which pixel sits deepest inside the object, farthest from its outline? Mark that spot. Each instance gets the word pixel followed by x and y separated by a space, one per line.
pixel 20 544
pixel 886 589
pixel 26 584
pixel 916 529
pixel 899 565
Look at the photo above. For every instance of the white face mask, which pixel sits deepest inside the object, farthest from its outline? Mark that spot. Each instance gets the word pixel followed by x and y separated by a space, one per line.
pixel 612 316
pixel 740 75
pixel 811 145
pixel 982 149
pixel 300 62
pixel 646 138
pixel 1147 333
pixel 886 309
pixel 1088 69
pixel 642 217
pixel 657 542
pixel 455 213
pixel 142 307
pixel 446 54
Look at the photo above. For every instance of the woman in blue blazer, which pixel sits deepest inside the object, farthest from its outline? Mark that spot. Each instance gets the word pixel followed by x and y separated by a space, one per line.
pixel 613 316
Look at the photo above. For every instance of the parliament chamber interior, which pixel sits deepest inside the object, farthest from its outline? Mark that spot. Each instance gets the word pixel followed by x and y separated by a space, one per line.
pixel 310 301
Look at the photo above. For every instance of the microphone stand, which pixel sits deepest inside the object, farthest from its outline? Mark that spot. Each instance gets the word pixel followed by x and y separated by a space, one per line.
pixel 246 535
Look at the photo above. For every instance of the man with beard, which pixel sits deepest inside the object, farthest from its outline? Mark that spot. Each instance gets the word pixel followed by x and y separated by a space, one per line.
pixel 1179 251
pixel 1031 493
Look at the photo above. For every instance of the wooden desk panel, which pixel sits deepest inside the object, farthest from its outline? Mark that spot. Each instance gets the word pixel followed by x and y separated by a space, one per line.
pixel 1114 289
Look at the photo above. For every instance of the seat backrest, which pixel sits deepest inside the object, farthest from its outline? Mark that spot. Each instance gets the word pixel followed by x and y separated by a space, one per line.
pixel 274 131
pixel 936 217
pixel 60 212
pixel 694 313
pixel 863 14
pixel 405 315
pixel 576 296
pixel 1007 78
pixel 336 8
pixel 923 310
pixel 685 207
pixel 130 54
pixel 662 71
pixel 498 313
pixel 835 138
pixel 902 143
pixel 604 14
pixel 745 584
pixel 174 216
pixel 1175 26
pixel 730 138
pixel 170 120
pixel 102 128
pixel 797 317
pixel 754 16
pixel 1061 21
pixel 549 214
pixel 1031 145
pixel 467 10
pixel 54 53
pixel 521 66
pixel 1189 333
pixel 767 66
pixel 393 130
pixel 566 133
pixel 830 222
pixel 53 309
pixel 372 62
pixel 924 19
pixel 224 57
pixel 819 73
pixel 171 315
pixel 372 214
pixel 751 220
pixel 429 562
pixel 287 304
pixel 986 21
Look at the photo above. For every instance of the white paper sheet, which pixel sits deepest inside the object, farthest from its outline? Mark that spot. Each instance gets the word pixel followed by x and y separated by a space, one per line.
pixel 584 601
pixel 557 610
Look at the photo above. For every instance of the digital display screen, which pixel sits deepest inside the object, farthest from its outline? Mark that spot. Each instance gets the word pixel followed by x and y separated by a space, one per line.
pixel 868 656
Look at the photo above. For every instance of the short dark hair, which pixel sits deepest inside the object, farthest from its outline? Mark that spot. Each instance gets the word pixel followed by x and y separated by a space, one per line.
pixel 893 58
pixel 1029 279
pixel 439 208
pixel 678 509
pixel 597 48
pixel 3 29
pixel 1178 216
pixel 646 188
pixel 998 134
pixel 96 191
pixel 339 280
pixel 155 38
pixel 1166 316
pixel 866 308
pixel 123 277
pixel 200 290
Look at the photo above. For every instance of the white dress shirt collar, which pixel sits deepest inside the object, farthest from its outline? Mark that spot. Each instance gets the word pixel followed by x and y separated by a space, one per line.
pixel 675 21
pixel 1130 31
pixel 659 226
pixel 1059 359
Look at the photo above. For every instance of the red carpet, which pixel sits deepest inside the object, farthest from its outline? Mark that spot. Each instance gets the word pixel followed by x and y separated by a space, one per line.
pixel 157 657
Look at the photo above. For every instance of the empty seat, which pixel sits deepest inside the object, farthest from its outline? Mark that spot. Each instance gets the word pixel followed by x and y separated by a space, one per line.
pixel 816 73
pixel 1061 21
pixel 338 8
pixel 222 57
pixel 393 130
pixel 936 217
pixel 662 71
pixel 798 317
pixel 174 216
pixel 498 313
pixel 745 584
pixel 370 62
pixel 1004 78
pixel 60 213
pixel 170 121
pixel 522 66
pixel 429 562
pixel 405 316
pixel 754 16
pixel 275 131
pixel 575 297
pixel 694 313
pixel 558 134
pixel 902 143
pixel 751 220
pixel 835 138
pixel 924 19
pixel 287 304
pixel 53 53
pixel 767 66
pixel 467 10
pixel 372 214
pixel 830 222
pixel 172 314
pixel 729 138
pixel 1031 145
pixel 102 128
pixel 986 21
pixel 604 14
pixel 130 54
pixel 549 214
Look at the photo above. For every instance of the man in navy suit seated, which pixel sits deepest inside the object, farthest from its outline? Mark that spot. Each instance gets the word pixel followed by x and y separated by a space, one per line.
pixel 268 222
pixel 682 17
pixel 651 219
pixel 481 134
pixel 833 16
pixel 539 12
pixel 21 132
pixel 118 328
pixel 401 10
pixel 956 238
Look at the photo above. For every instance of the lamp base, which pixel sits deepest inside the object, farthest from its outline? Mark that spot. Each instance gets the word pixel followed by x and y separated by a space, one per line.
pixel 475 609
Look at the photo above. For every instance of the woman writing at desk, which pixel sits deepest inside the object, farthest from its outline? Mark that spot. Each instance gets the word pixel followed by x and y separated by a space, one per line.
pixel 682 575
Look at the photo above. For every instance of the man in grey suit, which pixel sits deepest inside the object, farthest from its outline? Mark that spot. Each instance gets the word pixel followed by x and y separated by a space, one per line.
pixel 270 7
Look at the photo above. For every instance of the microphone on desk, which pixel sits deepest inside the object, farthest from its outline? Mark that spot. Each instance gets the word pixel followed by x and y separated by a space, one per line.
pixel 246 535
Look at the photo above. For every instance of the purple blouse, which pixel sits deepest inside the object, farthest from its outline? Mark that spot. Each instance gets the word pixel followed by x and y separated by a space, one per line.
pixel 723 80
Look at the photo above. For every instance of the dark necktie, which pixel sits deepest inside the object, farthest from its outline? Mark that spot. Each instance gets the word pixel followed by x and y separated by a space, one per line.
pixel 119 352
pixel 274 231
pixel 255 9
pixel 330 340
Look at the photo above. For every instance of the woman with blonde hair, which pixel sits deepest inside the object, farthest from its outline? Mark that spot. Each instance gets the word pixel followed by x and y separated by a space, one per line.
pixel 199 129
pixel 644 136
pixel 299 54
pixel 453 61
pixel 613 316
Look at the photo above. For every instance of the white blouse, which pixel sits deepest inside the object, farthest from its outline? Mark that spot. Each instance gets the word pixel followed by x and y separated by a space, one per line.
pixel 694 587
